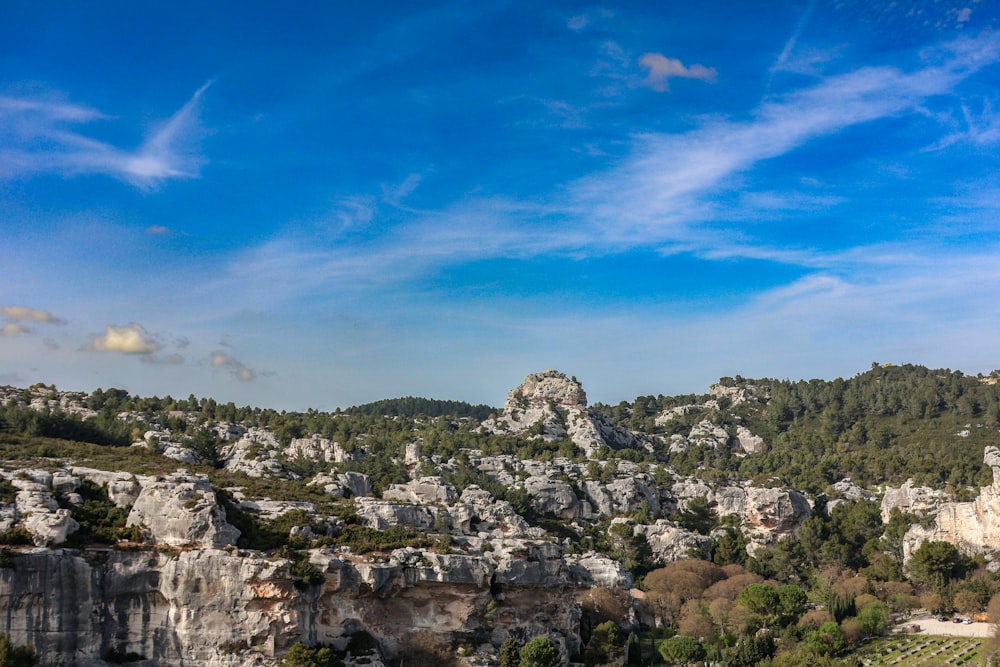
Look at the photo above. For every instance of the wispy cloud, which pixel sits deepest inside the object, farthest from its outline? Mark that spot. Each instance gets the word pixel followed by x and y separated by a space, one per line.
pixel 239 370
pixel 982 127
pixel 659 197
pixel 26 314
pixel 786 51
pixel 396 194
pixel 662 69
pixel 129 339
pixel 42 136
pixel 660 189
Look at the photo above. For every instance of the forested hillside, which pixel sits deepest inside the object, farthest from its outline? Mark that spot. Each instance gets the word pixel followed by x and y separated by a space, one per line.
pixel 770 522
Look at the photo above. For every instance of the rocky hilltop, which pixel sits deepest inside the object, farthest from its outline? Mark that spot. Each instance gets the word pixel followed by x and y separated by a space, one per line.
pixel 552 407
pixel 166 532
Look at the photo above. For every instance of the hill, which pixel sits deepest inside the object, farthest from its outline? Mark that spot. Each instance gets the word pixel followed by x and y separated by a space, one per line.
pixel 440 529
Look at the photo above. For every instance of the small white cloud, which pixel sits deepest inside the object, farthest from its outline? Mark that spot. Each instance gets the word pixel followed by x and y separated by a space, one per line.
pixel 964 15
pixel 577 23
pixel 662 69
pixel 220 359
pixel 25 314
pixel 12 329
pixel 157 229
pixel 130 339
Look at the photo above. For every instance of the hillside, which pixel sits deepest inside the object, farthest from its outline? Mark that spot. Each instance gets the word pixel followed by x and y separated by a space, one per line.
pixel 183 532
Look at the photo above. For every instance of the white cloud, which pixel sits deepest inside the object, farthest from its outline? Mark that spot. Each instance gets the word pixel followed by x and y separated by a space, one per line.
pixel 157 229
pixel 578 23
pixel 220 359
pixel 26 314
pixel 41 137
pixel 662 69
pixel 12 329
pixel 129 339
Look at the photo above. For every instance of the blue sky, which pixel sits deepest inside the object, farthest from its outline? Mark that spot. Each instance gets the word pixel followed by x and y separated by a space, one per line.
pixel 325 204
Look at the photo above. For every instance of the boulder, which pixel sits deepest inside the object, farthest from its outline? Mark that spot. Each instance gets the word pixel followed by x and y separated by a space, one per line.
pixel 181 510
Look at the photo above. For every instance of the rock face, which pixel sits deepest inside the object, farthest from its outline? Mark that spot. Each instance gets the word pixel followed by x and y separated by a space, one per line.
pixel 973 527
pixel 766 514
pixel 919 500
pixel 181 510
pixel 553 407
pixel 213 608
pixel 670 543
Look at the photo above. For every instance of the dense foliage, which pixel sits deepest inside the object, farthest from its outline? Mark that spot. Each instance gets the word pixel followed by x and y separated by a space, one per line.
pixel 411 406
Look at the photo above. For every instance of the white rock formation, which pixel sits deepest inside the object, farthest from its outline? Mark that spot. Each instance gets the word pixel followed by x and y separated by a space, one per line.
pixel 181 510
pixel 973 527
pixel 921 500
pixel 670 542
pixel 555 407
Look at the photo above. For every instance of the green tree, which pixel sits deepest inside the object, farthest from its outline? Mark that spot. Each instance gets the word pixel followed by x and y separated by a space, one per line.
pixel 698 516
pixel 681 650
pixel 301 655
pixel 750 650
pixel 759 599
pixel 12 655
pixel 604 640
pixel 792 602
pixel 828 639
pixel 509 650
pixel 935 564
pixel 540 652
pixel 874 619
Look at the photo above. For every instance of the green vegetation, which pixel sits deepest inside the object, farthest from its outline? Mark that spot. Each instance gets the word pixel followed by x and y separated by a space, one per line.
pixel 12 655
pixel 100 520
pixel 539 652
pixel 410 406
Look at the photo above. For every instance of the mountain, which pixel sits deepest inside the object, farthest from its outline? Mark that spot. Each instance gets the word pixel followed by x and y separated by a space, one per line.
pixel 184 532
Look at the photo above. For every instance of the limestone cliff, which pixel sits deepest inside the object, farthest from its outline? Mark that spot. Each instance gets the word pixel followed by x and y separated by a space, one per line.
pixel 973 527
pixel 223 607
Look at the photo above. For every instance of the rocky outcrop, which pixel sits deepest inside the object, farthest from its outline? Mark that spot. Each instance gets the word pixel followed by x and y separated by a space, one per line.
pixel 750 443
pixel 624 495
pixel 318 448
pixel 255 454
pixel 670 542
pixel 36 509
pixel 919 500
pixel 765 514
pixel 551 406
pixel 553 497
pixel 973 527
pixel 181 510
pixel 423 490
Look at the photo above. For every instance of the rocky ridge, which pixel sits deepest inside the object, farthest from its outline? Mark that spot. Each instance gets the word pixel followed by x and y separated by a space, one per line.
pixel 184 592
